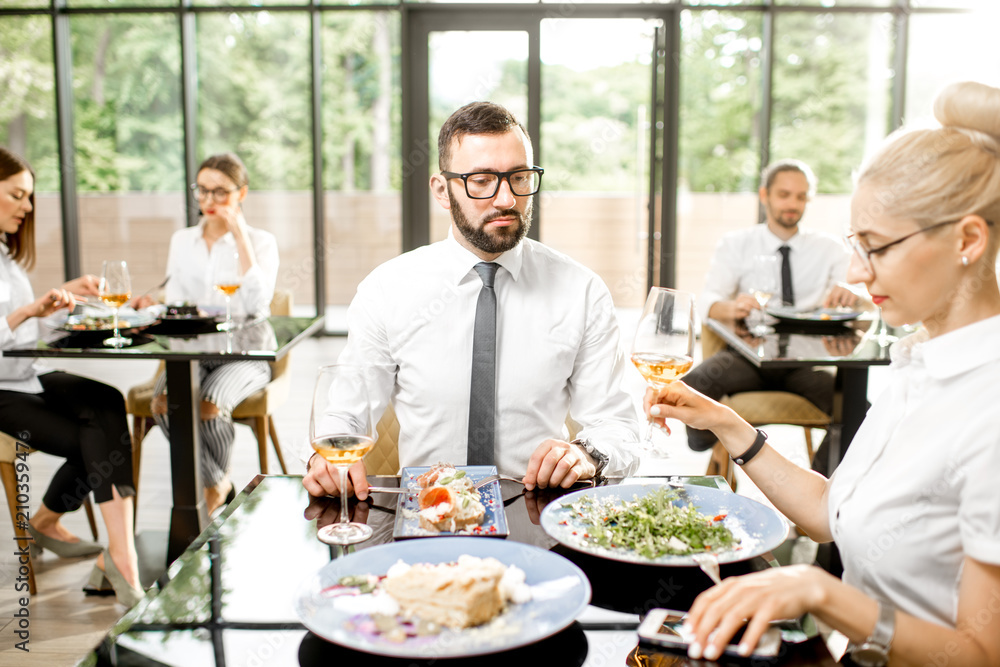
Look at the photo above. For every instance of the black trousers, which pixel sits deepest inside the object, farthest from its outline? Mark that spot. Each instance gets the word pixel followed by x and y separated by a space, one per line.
pixel 82 421
pixel 728 372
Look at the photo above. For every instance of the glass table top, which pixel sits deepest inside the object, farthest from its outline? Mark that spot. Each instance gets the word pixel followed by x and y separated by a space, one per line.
pixel 230 598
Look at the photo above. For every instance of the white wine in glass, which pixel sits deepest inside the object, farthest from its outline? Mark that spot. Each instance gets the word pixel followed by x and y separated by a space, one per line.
pixel 115 290
pixel 227 277
pixel 663 348
pixel 763 284
pixel 342 431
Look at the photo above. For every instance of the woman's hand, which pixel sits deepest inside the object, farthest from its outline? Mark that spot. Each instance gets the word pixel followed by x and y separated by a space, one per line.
pixel 681 402
pixel 755 600
pixel 53 300
pixel 85 285
pixel 144 301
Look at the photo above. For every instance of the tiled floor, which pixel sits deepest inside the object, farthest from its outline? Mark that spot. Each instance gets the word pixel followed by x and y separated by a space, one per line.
pixel 65 623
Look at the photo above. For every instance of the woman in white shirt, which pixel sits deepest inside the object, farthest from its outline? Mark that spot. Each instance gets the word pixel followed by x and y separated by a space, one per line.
pixel 75 418
pixel 914 507
pixel 221 187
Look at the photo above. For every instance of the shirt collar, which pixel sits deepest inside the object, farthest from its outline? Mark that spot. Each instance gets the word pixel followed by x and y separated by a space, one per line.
pixel 465 260
pixel 777 241
pixel 227 237
pixel 953 353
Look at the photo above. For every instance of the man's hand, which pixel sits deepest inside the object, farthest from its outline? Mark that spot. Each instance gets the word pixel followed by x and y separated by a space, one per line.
pixel 323 479
pixel 839 296
pixel 558 463
pixel 737 309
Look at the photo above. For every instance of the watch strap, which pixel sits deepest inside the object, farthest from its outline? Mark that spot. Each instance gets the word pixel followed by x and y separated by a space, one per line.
pixel 600 458
pixel 885 626
pixel 758 444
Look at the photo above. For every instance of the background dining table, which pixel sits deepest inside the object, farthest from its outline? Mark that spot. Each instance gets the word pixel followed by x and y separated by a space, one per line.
pixel 230 599
pixel 182 345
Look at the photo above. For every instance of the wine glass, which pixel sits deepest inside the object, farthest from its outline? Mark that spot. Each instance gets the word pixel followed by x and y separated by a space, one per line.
pixel 663 348
pixel 763 284
pixel 342 431
pixel 115 290
pixel 226 278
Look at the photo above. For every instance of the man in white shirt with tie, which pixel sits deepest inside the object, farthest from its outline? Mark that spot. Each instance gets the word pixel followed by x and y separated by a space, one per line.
pixel 813 265
pixel 486 341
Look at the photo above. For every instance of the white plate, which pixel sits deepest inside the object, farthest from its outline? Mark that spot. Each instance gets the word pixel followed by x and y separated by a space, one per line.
pixel 519 625
pixel 758 527
pixel 814 315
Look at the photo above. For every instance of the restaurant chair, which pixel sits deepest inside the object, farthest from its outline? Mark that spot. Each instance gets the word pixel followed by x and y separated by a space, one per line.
pixel 255 411
pixel 760 408
pixel 8 460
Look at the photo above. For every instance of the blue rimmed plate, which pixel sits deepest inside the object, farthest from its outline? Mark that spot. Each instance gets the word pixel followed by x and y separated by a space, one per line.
pixel 560 590
pixel 758 527
pixel 408 523
pixel 813 315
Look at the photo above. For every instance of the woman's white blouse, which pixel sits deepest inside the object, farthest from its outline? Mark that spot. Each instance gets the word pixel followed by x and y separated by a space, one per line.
pixel 20 373
pixel 917 492
pixel 189 267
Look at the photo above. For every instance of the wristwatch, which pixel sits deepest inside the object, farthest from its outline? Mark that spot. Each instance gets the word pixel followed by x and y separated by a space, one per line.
pixel 600 458
pixel 874 652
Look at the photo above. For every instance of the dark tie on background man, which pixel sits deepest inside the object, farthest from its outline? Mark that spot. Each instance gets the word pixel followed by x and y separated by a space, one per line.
pixel 482 397
pixel 787 292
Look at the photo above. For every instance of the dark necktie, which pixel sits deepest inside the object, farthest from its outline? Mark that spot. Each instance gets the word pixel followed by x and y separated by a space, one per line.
pixel 482 397
pixel 787 292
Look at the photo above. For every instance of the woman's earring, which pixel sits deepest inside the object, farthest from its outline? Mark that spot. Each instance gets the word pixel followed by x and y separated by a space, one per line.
pixel 965 260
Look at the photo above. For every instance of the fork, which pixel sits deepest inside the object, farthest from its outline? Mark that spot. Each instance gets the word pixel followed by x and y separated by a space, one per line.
pixel 709 564
pixel 493 478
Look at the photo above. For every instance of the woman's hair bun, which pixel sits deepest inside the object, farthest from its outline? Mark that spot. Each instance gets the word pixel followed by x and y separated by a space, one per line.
pixel 969 105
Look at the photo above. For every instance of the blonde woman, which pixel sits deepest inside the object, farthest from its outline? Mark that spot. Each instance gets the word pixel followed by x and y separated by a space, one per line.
pixel 914 507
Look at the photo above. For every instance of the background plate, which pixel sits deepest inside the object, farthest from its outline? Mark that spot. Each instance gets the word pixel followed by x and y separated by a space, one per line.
pixel 522 624
pixel 408 525
pixel 817 315
pixel 131 320
pixel 758 527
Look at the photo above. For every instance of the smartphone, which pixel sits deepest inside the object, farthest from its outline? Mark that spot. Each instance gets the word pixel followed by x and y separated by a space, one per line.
pixel 664 627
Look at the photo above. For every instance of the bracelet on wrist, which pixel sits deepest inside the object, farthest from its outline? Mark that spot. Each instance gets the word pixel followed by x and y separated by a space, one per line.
pixel 757 445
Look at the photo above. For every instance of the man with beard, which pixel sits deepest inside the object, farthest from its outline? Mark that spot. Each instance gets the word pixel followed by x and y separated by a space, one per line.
pixel 486 341
pixel 812 264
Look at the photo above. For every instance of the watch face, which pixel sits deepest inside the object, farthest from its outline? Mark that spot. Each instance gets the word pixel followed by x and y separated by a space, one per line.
pixel 870 655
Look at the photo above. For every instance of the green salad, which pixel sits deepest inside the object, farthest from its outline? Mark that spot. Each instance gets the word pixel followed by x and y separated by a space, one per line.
pixel 652 526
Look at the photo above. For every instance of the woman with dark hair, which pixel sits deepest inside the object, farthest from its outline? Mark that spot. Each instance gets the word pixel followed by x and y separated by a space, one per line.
pixel 221 188
pixel 75 418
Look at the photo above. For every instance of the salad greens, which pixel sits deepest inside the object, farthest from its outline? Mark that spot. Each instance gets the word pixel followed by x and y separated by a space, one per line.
pixel 652 526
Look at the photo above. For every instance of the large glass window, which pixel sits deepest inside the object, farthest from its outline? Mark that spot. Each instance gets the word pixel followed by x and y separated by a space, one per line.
pixel 253 100
pixel 719 163
pixel 947 48
pixel 128 138
pixel 28 127
pixel 361 147
pixel 596 109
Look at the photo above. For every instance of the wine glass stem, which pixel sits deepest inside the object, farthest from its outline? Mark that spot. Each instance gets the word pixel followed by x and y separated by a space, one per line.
pixel 117 335
pixel 229 317
pixel 345 517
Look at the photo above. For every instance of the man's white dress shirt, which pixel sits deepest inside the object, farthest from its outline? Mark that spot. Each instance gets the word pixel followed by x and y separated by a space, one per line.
pixel 819 260
pixel 189 267
pixel 557 353
pixel 917 490
pixel 20 373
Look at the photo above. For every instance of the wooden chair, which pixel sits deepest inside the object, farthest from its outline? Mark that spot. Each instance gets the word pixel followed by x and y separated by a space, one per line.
pixel 255 411
pixel 760 408
pixel 8 459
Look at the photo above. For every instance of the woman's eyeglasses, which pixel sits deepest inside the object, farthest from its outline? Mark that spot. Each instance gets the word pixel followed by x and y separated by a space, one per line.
pixel 218 195
pixel 865 254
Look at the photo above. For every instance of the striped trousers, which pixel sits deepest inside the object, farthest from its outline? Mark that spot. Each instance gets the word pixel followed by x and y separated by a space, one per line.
pixel 226 385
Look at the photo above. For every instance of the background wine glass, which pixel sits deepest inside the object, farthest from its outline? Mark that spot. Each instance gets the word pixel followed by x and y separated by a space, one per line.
pixel 763 285
pixel 663 348
pixel 226 277
pixel 115 290
pixel 342 431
